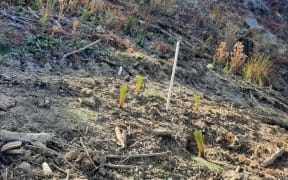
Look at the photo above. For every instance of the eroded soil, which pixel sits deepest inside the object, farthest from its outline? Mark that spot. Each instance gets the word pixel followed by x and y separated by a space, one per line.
pixel 242 124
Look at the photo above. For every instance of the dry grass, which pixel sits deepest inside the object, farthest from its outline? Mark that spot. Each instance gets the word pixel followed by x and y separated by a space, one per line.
pixel 237 57
pixel 258 70
pixel 222 54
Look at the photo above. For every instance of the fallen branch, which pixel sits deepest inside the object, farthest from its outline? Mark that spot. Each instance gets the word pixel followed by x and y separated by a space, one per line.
pixel 87 153
pixel 139 155
pixel 4 13
pixel 274 156
pixel 15 136
pixel 119 166
pixel 79 50
pixel 45 150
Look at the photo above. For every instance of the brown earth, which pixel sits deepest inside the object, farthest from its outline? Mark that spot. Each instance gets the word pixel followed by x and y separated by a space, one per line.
pixel 243 125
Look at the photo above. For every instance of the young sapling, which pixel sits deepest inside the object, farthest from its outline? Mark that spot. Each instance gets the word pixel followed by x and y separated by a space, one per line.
pixel 139 83
pixel 196 101
pixel 122 96
pixel 200 142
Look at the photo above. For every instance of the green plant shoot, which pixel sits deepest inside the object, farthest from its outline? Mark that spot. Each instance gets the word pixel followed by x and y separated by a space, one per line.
pixel 122 96
pixel 200 142
pixel 196 101
pixel 139 83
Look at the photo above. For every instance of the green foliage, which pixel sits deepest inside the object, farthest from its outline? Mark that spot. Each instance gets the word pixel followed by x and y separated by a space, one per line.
pixel 139 83
pixel 41 42
pixel 156 95
pixel 122 96
pixel 200 142
pixel 46 12
pixel 197 101
pixel 128 26
pixel 258 69
pixel 212 166
pixel 171 41
pixel 140 37
pixel 3 48
pixel 36 4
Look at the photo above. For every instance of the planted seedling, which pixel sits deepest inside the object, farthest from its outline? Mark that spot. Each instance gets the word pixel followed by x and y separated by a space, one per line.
pixel 196 101
pixel 200 142
pixel 122 96
pixel 139 83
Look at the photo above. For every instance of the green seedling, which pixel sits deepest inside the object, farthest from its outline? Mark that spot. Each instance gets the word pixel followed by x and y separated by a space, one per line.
pixel 200 142
pixel 202 162
pixel 196 101
pixel 122 96
pixel 139 83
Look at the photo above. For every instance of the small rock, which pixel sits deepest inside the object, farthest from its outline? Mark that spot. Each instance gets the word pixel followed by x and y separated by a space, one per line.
pixel 25 166
pixel 88 82
pixel 6 102
pixel 11 145
pixel 86 92
pixel 210 66
pixel 87 101
pixel 102 171
pixel 46 169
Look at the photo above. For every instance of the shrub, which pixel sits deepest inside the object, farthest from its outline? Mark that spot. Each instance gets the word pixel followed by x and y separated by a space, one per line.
pixel 237 57
pixel 258 69
pixel 221 55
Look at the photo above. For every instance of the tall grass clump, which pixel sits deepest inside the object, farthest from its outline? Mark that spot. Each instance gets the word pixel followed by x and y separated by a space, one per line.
pixel 200 142
pixel 258 69
pixel 237 57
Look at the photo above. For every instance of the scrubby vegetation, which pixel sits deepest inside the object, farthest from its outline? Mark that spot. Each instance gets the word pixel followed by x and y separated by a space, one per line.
pixel 76 68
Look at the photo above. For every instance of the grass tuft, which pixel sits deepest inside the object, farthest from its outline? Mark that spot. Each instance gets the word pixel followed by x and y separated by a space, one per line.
pixel 258 70
pixel 200 142
pixel 122 96
pixel 139 83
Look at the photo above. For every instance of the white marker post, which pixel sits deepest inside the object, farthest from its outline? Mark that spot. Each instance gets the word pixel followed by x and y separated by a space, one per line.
pixel 172 76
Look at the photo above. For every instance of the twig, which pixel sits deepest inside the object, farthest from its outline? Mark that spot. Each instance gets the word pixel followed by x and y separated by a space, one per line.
pixel 49 151
pixel 125 158
pixel 58 168
pixel 68 174
pixel 87 153
pixel 79 50
pixel 4 13
pixel 119 166
pixel 274 156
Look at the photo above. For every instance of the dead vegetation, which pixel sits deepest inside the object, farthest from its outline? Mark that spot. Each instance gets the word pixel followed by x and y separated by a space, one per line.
pixel 48 48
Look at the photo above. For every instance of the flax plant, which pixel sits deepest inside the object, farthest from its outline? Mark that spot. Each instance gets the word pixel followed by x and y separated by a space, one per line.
pixel 122 96
pixel 139 83
pixel 200 142
pixel 196 101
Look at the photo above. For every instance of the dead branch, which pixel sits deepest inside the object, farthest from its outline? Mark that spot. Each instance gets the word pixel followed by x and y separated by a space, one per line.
pixel 119 166
pixel 139 155
pixel 15 136
pixel 87 153
pixel 4 13
pixel 45 150
pixel 79 50
pixel 274 156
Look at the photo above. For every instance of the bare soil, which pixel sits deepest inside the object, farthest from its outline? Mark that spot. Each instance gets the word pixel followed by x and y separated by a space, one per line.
pixel 243 125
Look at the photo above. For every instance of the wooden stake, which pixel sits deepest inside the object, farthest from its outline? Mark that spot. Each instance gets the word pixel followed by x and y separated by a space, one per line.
pixel 173 75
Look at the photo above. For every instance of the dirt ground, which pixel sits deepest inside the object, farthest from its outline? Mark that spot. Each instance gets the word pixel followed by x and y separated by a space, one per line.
pixel 77 105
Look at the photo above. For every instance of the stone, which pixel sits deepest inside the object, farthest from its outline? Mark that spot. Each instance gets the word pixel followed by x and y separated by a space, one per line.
pixel 6 103
pixel 25 166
